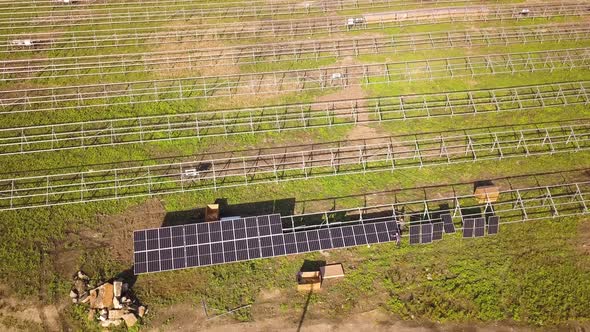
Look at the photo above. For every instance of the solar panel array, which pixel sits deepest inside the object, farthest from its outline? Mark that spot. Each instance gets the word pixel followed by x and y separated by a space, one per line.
pixel 426 232
pixel 179 247
pixel 476 227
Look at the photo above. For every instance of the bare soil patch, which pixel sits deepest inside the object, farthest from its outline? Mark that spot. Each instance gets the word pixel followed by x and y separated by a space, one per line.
pixel 27 315
pixel 117 230
pixel 584 237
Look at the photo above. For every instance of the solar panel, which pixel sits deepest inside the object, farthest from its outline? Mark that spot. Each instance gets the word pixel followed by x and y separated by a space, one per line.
pixel 360 236
pixel 468 225
pixel 325 240
pixel 493 225
pixel 426 233
pixel 479 227
pixel 178 247
pixel 437 231
pixel 336 235
pixel 371 233
pixel 414 234
pixel 448 225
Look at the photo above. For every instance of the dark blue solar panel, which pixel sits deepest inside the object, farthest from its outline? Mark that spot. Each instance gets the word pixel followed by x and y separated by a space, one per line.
pixel 468 225
pixel 140 246
pixel 426 233
pixel 239 224
pixel 242 255
pixel 140 257
pixel 227 225
pixel 139 236
pixel 493 225
pixel 251 227
pixel 241 244
pixel 266 252
pixel 190 235
pixel 253 248
pixel 276 226
pixel 203 233
pixel 313 240
pixel 165 242
pixel 359 234
pixel 290 246
pixel 414 234
pixel 216 247
pixel 348 236
pixel 437 231
pixel 166 265
pixel 228 235
pixel 448 225
pixel 179 258
pixel 153 255
pixel 192 251
pixel 192 261
pixel 217 258
pixel 190 229
pixel 325 240
pixel 382 234
pixel 479 226
pixel 336 235
pixel 371 233
pixel 204 249
pixel 278 244
pixel 204 260
pixel 166 254
pixel 302 245
pixel 153 266
pixel 140 268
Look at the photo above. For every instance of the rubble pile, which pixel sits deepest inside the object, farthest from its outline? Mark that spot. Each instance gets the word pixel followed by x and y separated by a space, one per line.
pixel 111 303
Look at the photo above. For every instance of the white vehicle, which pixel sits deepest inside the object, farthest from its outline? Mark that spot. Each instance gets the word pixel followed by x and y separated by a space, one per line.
pixel 190 173
pixel 525 12
pixel 354 21
pixel 22 42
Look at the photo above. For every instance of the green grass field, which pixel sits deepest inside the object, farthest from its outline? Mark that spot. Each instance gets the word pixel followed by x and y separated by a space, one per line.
pixel 535 274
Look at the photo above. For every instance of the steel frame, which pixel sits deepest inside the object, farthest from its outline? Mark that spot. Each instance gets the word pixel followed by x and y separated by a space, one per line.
pixel 289 28
pixel 515 205
pixel 290 163
pixel 41 69
pixel 140 92
pixel 112 132
pixel 191 10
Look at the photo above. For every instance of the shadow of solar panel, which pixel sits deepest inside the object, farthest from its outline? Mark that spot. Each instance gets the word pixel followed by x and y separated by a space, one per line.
pixel 313 240
pixel 493 225
pixel 414 234
pixel 426 233
pixel 253 248
pixel 276 225
pixel 448 225
pixel 325 241
pixel 468 225
pixel 437 230
pixel 278 245
pixel 479 227
pixel 359 234
pixel 371 233
pixel 382 233
pixel 336 235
